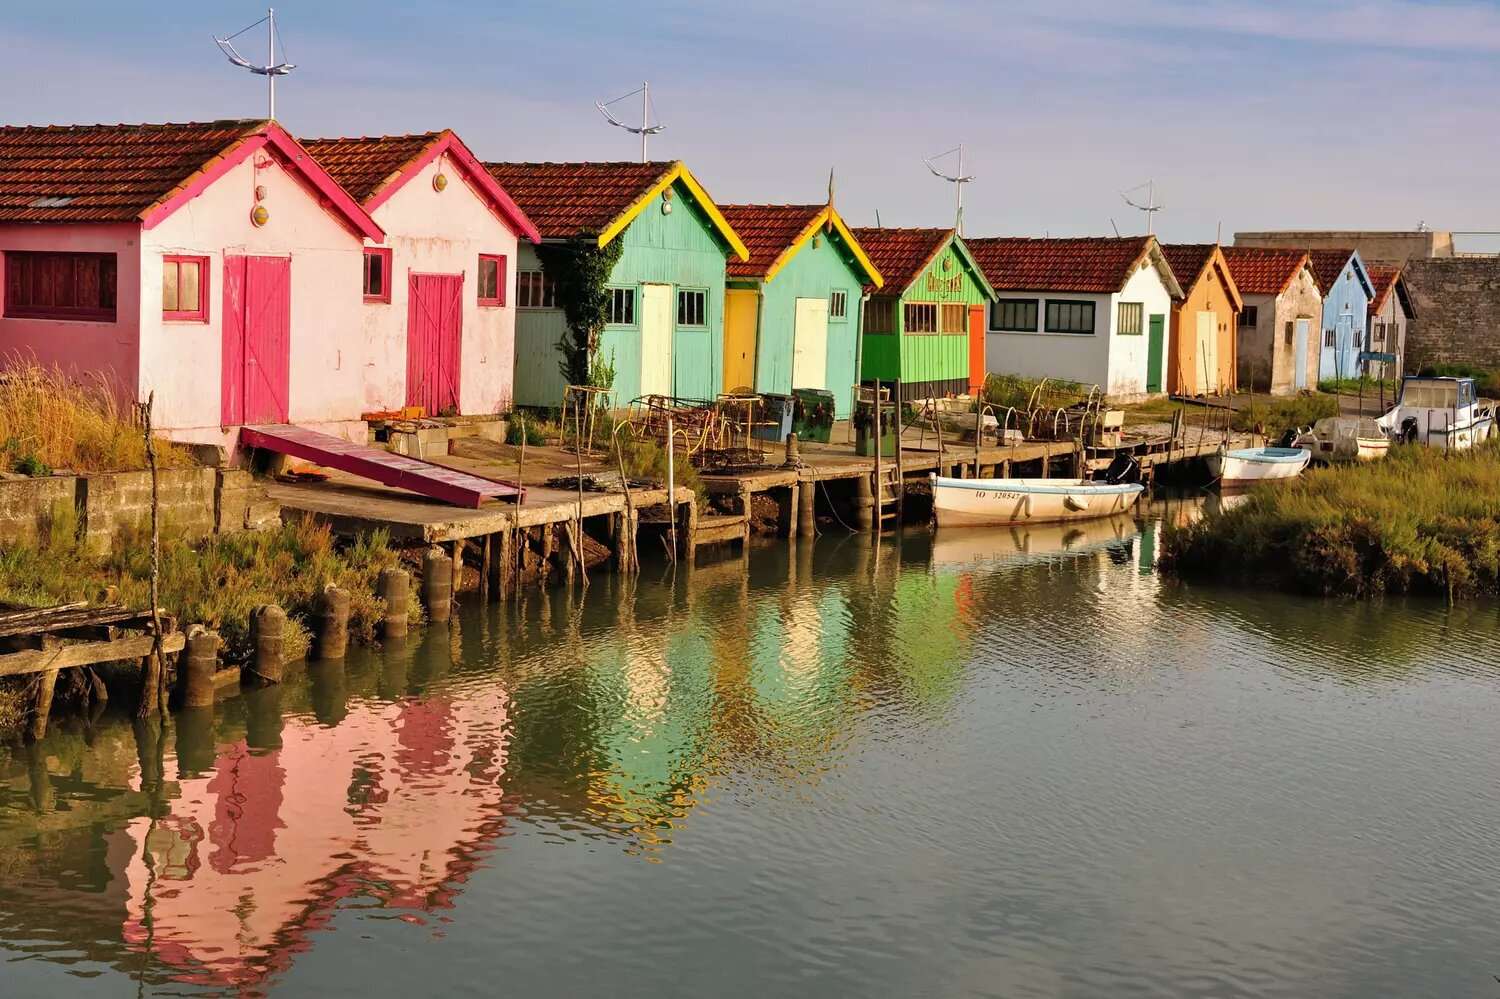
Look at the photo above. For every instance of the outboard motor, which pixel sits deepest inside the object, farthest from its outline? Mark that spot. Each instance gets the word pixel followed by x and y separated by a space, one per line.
pixel 1289 439
pixel 1123 469
pixel 1409 431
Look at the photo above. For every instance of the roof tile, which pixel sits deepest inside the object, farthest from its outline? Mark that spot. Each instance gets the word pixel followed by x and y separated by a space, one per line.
pixel 363 166
pixel 1261 270
pixel 1383 278
pixel 1327 265
pixel 105 173
pixel 767 231
pixel 576 199
pixel 900 255
pixel 1089 264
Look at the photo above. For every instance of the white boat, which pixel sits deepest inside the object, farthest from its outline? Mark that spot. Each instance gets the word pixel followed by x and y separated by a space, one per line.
pixel 1244 467
pixel 1440 412
pixel 1002 502
pixel 1341 439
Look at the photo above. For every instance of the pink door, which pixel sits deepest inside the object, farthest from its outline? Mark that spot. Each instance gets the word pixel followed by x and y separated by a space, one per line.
pixel 256 369
pixel 434 338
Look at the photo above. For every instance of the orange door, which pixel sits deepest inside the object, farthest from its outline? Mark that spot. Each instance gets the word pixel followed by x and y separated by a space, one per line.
pixel 976 349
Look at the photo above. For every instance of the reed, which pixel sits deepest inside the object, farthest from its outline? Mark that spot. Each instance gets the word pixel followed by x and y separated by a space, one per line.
pixel 1421 521
pixel 1275 416
pixel 50 420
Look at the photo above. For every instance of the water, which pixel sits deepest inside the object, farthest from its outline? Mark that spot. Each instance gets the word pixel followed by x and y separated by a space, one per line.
pixel 980 765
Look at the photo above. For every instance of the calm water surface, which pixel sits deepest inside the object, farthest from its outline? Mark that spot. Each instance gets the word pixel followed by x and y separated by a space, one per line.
pixel 975 764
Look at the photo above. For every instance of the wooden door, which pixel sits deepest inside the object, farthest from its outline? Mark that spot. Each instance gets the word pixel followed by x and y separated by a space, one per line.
pixel 976 349
pixel 810 344
pixel 656 339
pixel 1156 349
pixel 740 314
pixel 434 341
pixel 255 365
pixel 1300 362
pixel 1206 364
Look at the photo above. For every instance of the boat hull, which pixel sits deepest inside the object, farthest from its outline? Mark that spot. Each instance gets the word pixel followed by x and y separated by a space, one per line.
pixel 1006 502
pixel 1243 468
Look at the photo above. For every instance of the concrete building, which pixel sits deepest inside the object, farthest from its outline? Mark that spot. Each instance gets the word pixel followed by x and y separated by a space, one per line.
pixel 216 265
pixel 1093 311
pixel 1390 313
pixel 439 316
pixel 1393 247
pixel 1282 313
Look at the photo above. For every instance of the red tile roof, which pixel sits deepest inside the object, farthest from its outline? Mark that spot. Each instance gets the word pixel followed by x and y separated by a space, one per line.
pixel 767 231
pixel 1263 271
pixel 106 173
pixel 1187 260
pixel 576 199
pixel 1383 278
pixel 1099 265
pixel 1327 265
pixel 363 166
pixel 900 255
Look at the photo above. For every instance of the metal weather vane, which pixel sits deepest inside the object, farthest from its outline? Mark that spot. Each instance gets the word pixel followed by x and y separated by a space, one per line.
pixel 270 69
pixel 648 110
pixel 958 180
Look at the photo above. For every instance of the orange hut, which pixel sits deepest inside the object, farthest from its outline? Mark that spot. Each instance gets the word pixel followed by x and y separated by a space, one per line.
pixel 1202 358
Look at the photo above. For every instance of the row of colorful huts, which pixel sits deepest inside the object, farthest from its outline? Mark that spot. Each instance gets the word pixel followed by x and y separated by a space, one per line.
pixel 247 277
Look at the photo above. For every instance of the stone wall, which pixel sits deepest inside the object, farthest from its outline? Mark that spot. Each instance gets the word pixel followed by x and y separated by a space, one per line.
pixel 1386 246
pixel 195 503
pixel 1457 306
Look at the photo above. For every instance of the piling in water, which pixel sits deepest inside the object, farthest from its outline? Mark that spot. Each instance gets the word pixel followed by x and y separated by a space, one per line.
pixel 268 631
pixel 437 584
pixel 395 589
pixel 200 659
pixel 333 623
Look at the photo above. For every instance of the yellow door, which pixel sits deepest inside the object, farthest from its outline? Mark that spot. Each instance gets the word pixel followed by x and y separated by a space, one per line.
pixel 740 309
pixel 1207 375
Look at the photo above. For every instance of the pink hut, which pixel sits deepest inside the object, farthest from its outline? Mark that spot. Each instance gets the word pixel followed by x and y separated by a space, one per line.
pixel 439 318
pixel 215 264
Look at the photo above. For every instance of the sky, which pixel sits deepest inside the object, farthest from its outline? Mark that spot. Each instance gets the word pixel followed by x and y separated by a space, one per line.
pixel 1313 114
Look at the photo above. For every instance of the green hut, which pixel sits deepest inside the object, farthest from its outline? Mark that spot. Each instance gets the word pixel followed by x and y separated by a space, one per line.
pixel 926 325
pixel 656 241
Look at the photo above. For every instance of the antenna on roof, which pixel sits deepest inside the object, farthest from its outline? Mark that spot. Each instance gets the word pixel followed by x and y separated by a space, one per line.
pixel 272 69
pixel 958 180
pixel 1115 228
pixel 1150 207
pixel 647 112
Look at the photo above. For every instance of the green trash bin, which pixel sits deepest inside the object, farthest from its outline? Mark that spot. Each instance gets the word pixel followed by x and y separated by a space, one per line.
pixel 864 429
pixel 812 415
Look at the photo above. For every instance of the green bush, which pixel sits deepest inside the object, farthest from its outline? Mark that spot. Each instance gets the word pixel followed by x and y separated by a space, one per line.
pixel 1420 521
pixel 1275 416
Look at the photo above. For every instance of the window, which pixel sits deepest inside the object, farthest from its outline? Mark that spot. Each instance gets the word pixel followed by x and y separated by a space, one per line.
pixel 377 274
pixel 621 311
pixel 60 286
pixel 1016 315
pixel 838 305
pixel 1330 338
pixel 1379 332
pixel 534 290
pixel 1132 318
pixel 921 317
pixel 1249 316
pixel 1288 334
pixel 184 289
pixel 954 318
pixel 491 279
pixel 690 308
pixel 880 315
pixel 1070 317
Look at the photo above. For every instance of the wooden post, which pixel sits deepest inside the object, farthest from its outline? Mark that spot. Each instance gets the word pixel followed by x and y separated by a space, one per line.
pixel 199 662
pixel 485 568
pixel 437 584
pixel 879 490
pixel 41 707
pixel 548 540
pixel 154 671
pixel 333 623
pixel 395 590
pixel 786 510
pixel 807 496
pixel 688 537
pixel 500 559
pixel 458 566
pixel 268 632
pixel 863 502
pixel 900 459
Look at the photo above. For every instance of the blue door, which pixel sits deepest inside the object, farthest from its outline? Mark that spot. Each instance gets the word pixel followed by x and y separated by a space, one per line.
pixel 1299 356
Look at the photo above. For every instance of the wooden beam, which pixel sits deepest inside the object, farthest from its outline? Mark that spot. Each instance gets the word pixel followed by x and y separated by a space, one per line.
pixel 85 654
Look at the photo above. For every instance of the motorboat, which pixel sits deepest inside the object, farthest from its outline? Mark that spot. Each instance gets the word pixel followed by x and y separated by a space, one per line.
pixel 1006 502
pixel 1241 468
pixel 1345 439
pixel 1440 412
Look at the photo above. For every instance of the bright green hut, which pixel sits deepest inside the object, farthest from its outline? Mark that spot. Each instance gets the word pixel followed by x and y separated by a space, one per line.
pixel 792 311
pixel 650 240
pixel 926 325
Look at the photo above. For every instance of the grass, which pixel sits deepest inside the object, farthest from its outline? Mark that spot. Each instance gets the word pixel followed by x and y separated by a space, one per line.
pixel 1421 521
pixel 1353 386
pixel 51 421
pixel 1274 417
pixel 1016 391
pixel 216 583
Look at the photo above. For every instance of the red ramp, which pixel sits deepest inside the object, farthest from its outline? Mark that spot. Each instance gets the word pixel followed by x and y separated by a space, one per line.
pixel 446 484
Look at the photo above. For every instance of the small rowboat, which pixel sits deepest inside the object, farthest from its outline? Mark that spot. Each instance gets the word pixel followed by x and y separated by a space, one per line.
pixel 1243 467
pixel 1002 502
pixel 1338 439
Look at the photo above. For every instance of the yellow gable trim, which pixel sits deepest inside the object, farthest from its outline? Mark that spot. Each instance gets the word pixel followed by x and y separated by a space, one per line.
pixel 677 172
pixel 825 216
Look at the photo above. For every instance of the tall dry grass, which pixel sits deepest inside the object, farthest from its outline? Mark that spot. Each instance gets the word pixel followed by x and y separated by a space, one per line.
pixel 52 420
pixel 1421 521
